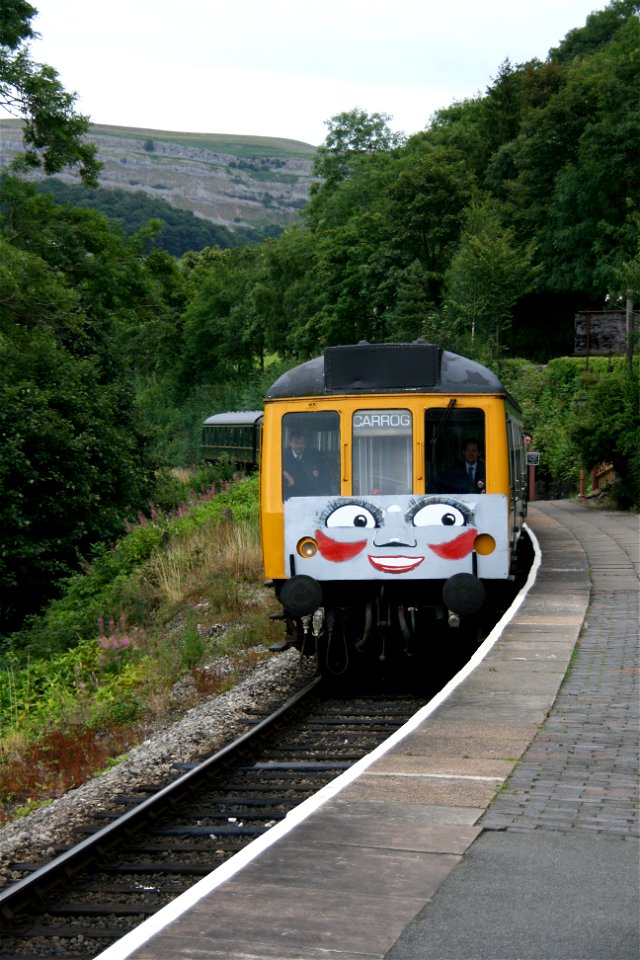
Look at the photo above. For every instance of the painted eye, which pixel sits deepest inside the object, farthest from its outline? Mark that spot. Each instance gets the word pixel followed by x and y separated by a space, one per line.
pixel 351 515
pixel 439 514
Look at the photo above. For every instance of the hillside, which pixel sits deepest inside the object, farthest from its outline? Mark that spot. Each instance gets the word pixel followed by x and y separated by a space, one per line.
pixel 234 181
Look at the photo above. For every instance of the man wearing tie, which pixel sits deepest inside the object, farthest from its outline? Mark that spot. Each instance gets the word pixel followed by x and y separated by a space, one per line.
pixel 468 476
pixel 304 473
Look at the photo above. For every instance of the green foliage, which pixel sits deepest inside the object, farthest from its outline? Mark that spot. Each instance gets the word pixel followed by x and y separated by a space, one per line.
pixel 600 28
pixel 63 486
pixel 351 136
pixel 191 646
pixel 110 584
pixel 487 274
pixel 223 333
pixel 179 231
pixel 74 458
pixel 53 132
pixel 608 429
pixel 580 416
pixel 47 692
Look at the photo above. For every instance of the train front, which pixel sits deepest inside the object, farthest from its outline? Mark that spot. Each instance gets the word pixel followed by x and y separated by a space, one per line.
pixel 385 501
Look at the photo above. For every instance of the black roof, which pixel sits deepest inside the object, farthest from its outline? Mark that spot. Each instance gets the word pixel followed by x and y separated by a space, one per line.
pixel 386 368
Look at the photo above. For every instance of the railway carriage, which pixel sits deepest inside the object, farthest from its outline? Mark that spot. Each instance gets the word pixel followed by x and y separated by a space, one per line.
pixel 378 548
pixel 233 436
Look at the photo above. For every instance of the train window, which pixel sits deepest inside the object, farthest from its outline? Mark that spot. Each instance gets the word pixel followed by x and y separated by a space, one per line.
pixel 455 441
pixel 382 451
pixel 310 454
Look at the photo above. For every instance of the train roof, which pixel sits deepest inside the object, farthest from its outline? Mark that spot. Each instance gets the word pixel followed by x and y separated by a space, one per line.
pixel 239 418
pixel 386 368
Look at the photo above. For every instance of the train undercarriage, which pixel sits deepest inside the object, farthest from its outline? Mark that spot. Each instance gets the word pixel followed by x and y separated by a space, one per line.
pixel 357 627
pixel 368 628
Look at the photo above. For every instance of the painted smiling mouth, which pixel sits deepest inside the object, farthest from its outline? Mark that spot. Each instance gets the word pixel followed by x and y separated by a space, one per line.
pixel 395 564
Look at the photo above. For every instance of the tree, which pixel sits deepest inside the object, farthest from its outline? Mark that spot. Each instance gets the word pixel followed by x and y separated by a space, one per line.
pixel 575 187
pixel 53 132
pixel 413 316
pixel 352 135
pixel 223 332
pixel 600 27
pixel 591 228
pixel 503 106
pixel 487 275
pixel 345 285
pixel 427 199
pixel 608 429
pixel 72 457
pixel 74 453
pixel 286 296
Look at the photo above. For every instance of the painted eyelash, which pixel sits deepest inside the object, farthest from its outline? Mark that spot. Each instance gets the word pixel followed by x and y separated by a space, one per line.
pixel 417 505
pixel 373 508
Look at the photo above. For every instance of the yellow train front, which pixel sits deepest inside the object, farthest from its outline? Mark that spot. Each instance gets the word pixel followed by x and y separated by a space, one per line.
pixel 392 500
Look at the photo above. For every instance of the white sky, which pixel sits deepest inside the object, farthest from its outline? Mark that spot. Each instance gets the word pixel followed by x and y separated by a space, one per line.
pixel 281 68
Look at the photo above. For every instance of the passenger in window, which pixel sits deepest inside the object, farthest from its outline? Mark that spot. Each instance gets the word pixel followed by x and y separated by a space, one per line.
pixel 304 473
pixel 468 475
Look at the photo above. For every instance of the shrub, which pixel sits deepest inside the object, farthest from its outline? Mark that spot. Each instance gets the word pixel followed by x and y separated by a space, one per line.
pixel 111 583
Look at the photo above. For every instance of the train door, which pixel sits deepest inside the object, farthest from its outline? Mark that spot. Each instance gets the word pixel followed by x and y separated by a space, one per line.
pixel 517 477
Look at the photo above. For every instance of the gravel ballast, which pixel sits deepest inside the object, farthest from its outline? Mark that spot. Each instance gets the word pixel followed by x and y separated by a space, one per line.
pixel 204 729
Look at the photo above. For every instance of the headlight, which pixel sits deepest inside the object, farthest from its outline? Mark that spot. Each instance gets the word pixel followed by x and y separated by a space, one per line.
pixel 307 547
pixel 484 544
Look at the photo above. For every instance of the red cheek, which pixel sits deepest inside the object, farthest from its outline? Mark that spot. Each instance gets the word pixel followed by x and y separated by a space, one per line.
pixel 455 549
pixel 338 552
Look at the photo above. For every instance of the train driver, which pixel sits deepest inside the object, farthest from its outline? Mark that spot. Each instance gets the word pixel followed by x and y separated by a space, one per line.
pixel 468 475
pixel 304 473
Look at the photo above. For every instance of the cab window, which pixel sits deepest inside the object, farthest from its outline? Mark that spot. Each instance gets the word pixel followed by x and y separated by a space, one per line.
pixel 455 450
pixel 310 454
pixel 382 451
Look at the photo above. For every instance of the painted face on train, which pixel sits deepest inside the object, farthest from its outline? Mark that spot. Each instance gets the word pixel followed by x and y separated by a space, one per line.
pixel 405 536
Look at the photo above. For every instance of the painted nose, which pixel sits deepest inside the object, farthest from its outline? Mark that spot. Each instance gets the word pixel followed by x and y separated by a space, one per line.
pixel 394 533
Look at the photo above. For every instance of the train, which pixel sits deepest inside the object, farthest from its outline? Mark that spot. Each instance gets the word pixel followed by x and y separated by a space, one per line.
pixel 393 495
pixel 233 436
pixel 379 545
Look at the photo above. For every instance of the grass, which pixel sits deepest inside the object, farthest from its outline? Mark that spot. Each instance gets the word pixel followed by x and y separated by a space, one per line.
pixel 189 618
pixel 244 146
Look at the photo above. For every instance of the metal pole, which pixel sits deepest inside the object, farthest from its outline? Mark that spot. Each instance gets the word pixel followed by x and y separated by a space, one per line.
pixel 630 330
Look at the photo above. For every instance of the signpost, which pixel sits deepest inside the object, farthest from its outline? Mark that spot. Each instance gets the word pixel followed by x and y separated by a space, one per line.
pixel 533 461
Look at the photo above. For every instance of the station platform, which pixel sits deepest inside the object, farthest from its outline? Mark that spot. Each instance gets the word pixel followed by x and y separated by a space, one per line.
pixel 500 823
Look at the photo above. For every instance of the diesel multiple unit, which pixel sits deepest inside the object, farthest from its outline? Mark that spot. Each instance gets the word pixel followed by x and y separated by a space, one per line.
pixel 393 492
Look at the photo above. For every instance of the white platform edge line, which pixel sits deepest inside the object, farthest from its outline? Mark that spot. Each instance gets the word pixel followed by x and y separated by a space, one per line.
pixel 124 947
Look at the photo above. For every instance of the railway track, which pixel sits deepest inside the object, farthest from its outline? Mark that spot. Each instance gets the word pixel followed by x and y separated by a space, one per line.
pixel 128 868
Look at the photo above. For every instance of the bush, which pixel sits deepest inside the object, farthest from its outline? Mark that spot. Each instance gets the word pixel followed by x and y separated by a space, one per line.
pixel 110 585
pixel 580 416
pixel 608 431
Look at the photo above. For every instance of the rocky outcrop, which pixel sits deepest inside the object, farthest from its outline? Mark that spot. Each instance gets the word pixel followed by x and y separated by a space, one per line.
pixel 231 181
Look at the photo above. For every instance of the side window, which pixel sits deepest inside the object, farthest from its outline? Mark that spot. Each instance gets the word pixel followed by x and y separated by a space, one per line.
pixel 382 452
pixel 455 450
pixel 517 465
pixel 310 454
